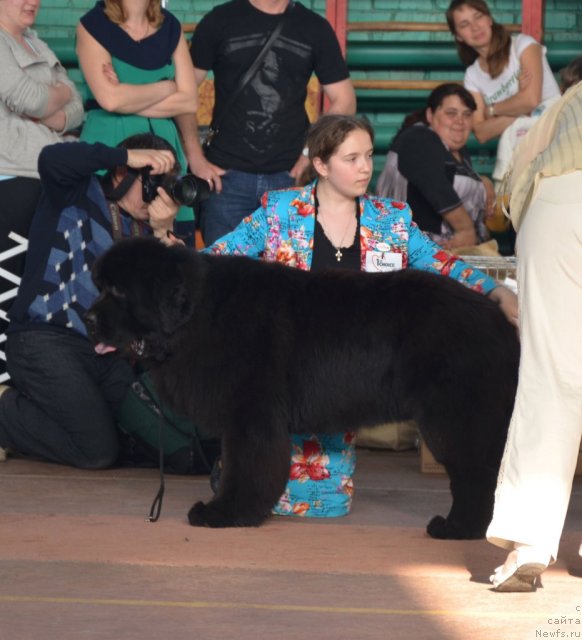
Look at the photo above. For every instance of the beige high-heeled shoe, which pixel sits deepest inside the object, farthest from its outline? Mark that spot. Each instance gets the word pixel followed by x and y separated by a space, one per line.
pixel 520 573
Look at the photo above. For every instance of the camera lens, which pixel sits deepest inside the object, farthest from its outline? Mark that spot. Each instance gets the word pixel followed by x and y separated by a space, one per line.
pixel 186 190
pixel 189 189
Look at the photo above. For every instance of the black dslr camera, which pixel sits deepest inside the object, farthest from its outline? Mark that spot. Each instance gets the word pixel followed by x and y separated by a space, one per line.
pixel 186 190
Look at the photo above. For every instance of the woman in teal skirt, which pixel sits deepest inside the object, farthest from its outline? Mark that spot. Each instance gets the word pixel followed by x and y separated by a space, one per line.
pixel 137 65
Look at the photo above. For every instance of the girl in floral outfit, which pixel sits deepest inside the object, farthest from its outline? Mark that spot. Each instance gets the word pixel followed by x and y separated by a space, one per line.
pixel 332 223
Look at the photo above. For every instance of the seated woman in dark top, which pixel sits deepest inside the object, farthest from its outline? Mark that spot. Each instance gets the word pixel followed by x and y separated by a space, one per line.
pixel 429 167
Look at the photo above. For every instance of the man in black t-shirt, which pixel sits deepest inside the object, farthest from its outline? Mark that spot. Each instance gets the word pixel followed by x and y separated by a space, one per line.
pixel 261 137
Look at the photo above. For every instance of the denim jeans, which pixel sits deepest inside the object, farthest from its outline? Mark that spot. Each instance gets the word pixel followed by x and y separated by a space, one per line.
pixel 240 196
pixel 65 400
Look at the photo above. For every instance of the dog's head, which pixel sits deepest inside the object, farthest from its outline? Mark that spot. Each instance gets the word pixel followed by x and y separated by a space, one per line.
pixel 144 297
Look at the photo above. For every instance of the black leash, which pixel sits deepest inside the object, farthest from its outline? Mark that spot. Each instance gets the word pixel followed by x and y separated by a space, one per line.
pixel 156 508
pixel 145 395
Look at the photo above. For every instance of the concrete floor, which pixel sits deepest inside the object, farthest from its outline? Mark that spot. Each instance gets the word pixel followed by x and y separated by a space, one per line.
pixel 79 561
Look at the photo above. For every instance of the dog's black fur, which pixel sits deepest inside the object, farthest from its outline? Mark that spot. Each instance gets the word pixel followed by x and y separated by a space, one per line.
pixel 252 351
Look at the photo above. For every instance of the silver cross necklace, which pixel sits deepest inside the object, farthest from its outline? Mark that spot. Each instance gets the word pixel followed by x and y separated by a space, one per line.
pixel 338 248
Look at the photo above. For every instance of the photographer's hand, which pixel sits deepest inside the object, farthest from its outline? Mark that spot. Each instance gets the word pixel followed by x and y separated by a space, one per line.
pixel 162 211
pixel 160 161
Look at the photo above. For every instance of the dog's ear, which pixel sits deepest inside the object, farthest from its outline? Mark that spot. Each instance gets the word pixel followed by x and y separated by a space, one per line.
pixel 176 304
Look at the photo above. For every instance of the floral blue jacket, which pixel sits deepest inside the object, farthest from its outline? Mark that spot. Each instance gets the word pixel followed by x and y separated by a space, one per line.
pixel 282 229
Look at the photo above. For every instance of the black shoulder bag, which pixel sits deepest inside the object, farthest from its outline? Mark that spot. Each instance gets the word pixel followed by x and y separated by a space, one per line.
pixel 217 120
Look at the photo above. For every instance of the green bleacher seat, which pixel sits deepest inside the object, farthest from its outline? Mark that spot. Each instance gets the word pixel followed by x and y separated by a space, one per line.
pixel 432 56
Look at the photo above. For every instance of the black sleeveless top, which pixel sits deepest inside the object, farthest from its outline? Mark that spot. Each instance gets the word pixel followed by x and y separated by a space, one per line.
pixel 324 253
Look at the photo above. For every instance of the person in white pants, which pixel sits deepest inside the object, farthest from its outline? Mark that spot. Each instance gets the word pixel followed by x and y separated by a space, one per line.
pixel 538 465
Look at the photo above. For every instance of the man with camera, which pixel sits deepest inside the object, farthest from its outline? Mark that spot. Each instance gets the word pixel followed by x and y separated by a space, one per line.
pixel 65 398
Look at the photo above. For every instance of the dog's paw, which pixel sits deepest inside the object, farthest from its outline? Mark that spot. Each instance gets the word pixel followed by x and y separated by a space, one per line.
pixel 203 515
pixel 443 529
pixel 215 514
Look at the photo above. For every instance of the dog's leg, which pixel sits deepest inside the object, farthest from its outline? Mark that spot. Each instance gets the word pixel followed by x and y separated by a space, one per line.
pixel 463 437
pixel 473 489
pixel 255 470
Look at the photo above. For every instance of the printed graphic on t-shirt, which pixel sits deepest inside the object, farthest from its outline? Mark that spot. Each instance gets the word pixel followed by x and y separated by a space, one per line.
pixel 264 84
pixel 267 94
pixel 506 89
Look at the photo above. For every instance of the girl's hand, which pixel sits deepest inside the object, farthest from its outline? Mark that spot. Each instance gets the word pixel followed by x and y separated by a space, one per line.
pixel 507 300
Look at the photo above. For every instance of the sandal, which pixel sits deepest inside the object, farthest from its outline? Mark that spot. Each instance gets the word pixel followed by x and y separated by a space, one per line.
pixel 521 574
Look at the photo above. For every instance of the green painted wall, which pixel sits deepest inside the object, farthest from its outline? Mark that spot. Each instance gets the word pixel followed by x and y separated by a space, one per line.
pixel 563 20
pixel 563 29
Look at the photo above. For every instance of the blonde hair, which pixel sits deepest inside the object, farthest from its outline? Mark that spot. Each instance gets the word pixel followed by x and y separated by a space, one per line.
pixel 498 54
pixel 115 12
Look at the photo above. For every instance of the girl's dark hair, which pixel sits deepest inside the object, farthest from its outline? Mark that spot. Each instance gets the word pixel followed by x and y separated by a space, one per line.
pixel 326 135
pixel 498 55
pixel 571 74
pixel 435 100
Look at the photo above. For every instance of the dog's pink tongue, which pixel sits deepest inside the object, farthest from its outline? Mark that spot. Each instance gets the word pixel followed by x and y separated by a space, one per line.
pixel 103 348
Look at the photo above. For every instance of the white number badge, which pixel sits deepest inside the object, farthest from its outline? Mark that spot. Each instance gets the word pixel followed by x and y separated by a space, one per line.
pixel 377 261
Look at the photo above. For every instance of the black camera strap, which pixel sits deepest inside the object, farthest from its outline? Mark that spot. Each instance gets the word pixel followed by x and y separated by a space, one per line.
pixel 116 193
pixel 247 76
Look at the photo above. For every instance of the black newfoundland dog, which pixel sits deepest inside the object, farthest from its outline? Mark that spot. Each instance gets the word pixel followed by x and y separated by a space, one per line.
pixel 253 351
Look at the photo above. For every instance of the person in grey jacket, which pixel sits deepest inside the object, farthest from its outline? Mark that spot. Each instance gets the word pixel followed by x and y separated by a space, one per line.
pixel 38 106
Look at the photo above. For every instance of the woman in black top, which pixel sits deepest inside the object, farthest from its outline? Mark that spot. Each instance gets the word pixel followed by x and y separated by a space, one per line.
pixel 429 167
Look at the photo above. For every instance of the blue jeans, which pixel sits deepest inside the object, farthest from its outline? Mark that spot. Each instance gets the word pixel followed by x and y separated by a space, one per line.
pixel 65 400
pixel 240 196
